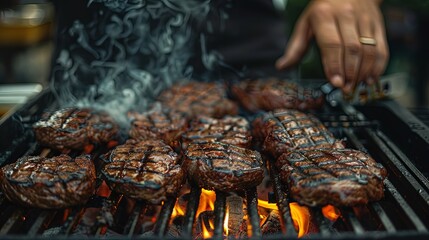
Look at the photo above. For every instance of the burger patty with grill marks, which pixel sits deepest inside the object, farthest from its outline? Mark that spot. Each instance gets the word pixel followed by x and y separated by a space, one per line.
pixel 159 123
pixel 341 177
pixel 224 167
pixel 284 130
pixel 74 128
pixel 273 93
pixel 145 170
pixel 231 130
pixel 199 98
pixel 51 183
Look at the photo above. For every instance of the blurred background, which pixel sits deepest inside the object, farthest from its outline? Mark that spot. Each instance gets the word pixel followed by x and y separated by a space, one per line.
pixel 26 33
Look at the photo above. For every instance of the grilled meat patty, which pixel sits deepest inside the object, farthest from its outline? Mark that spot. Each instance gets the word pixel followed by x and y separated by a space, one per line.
pixel 231 130
pixel 159 123
pixel 224 167
pixel 271 94
pixel 286 130
pixel 52 183
pixel 199 98
pixel 145 170
pixel 74 128
pixel 341 177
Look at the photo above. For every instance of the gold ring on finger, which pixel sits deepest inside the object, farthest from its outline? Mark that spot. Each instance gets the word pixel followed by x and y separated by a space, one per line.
pixel 367 41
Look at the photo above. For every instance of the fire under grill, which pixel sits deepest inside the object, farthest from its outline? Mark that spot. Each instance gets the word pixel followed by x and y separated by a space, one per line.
pixel 389 133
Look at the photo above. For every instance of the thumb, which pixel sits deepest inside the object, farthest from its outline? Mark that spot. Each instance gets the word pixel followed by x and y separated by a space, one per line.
pixel 297 46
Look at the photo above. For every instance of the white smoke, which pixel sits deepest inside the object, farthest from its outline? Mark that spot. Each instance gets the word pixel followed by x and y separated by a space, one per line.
pixel 127 53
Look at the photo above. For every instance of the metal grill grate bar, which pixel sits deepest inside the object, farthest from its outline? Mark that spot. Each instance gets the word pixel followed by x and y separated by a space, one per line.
pixel 44 217
pixel 130 227
pixel 282 203
pixel 219 211
pixel 191 211
pixel 252 210
pixel 12 221
pixel 72 220
pixel 322 222
pixel 387 223
pixel 349 215
pixel 405 206
pixel 164 217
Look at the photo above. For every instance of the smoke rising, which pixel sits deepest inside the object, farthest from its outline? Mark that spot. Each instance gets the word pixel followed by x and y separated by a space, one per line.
pixel 126 53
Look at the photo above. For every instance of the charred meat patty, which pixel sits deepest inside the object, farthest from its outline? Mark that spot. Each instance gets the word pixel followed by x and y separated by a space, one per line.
pixel 285 130
pixel 74 128
pixel 199 98
pixel 145 170
pixel 159 123
pixel 273 93
pixel 224 167
pixel 231 130
pixel 341 177
pixel 50 183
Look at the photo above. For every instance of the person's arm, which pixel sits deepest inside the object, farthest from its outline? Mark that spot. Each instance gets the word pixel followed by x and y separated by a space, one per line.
pixel 351 37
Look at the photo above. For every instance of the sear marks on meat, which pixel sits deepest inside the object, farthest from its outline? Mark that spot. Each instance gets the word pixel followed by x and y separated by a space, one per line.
pixel 74 128
pixel 224 167
pixel 286 130
pixel 159 123
pixel 231 130
pixel 50 183
pixel 199 98
pixel 341 177
pixel 273 93
pixel 145 170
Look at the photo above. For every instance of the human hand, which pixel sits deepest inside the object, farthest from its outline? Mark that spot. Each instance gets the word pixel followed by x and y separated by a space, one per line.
pixel 338 27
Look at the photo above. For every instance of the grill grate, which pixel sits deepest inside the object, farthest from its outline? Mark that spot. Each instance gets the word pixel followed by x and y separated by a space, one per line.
pixel 403 213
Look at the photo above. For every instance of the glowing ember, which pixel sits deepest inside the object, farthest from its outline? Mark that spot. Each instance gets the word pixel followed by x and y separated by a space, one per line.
pixel 88 148
pixel 330 212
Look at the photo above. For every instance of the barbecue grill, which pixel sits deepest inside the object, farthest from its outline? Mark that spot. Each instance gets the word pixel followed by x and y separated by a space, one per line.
pixel 389 133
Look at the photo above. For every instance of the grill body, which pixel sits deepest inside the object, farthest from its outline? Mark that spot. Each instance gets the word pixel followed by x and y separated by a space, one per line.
pixel 389 133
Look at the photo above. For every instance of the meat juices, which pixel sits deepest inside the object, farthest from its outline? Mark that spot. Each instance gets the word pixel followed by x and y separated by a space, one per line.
pixel 50 183
pixel 199 98
pixel 224 167
pixel 75 128
pixel 273 93
pixel 144 170
pixel 231 130
pixel 341 177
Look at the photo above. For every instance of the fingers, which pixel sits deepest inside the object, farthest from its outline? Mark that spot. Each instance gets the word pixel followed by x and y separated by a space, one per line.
pixel 297 45
pixel 328 38
pixel 369 52
pixel 337 27
pixel 347 24
pixel 382 51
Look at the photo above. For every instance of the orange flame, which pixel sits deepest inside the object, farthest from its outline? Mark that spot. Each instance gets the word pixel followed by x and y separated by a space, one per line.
pixel 300 215
pixel 331 212
pixel 207 200
pixel 178 210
